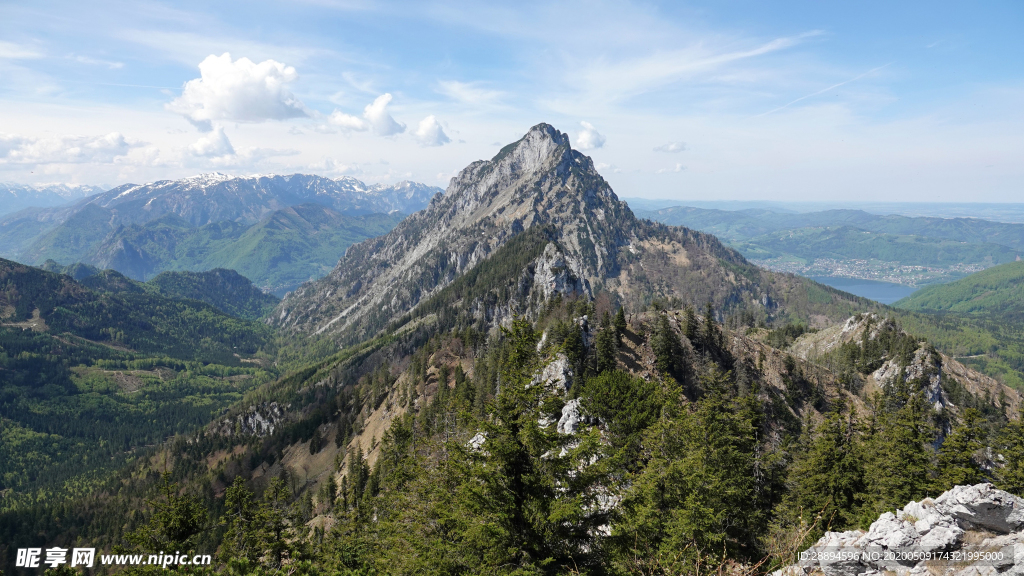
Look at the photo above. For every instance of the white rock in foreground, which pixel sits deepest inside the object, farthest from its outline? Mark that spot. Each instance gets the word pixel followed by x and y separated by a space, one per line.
pixel 969 530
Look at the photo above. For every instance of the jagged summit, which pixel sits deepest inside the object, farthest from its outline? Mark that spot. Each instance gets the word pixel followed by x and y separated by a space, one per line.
pixel 538 180
pixel 582 238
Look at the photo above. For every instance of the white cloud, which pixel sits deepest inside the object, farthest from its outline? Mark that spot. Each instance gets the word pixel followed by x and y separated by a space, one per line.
pixel 469 92
pixel 589 138
pixel 430 133
pixel 677 168
pixel 347 122
pixel 96 62
pixel 213 145
pixel 375 117
pixel 16 149
pixel 331 167
pixel 380 120
pixel 671 147
pixel 607 81
pixel 11 51
pixel 240 91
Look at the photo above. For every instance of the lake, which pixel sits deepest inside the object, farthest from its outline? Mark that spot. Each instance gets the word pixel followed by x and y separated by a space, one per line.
pixel 883 292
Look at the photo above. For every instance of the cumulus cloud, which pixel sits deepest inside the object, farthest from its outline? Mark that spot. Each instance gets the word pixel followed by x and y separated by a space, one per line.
pixel 671 147
pixel 16 149
pixel 375 117
pixel 240 91
pixel 380 119
pixel 589 138
pixel 213 145
pixel 347 122
pixel 430 133
pixel 677 168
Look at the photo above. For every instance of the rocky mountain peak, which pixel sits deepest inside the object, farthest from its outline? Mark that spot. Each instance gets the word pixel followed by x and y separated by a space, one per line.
pixel 539 180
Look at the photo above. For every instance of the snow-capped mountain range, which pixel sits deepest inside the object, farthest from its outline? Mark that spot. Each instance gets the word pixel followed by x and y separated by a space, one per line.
pixel 14 197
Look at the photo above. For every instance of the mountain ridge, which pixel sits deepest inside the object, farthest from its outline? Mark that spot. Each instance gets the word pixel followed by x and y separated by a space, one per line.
pixel 598 242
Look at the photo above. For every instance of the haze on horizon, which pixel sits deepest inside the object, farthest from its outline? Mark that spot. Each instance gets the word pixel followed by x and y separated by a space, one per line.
pixel 793 101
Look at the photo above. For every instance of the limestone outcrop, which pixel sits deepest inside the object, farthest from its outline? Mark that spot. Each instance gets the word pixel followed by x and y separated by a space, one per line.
pixel 969 530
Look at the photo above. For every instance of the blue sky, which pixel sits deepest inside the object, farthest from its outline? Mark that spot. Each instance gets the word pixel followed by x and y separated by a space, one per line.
pixel 715 100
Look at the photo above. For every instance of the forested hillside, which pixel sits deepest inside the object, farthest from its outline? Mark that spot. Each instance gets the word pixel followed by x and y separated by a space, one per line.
pixel 996 292
pixel 630 444
pixel 88 377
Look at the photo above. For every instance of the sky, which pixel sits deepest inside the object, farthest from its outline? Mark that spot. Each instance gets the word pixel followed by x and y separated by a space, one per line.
pixel 726 100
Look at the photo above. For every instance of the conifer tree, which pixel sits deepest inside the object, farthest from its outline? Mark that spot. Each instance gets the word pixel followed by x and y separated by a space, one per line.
pixel 828 477
pixel 692 504
pixel 607 350
pixel 620 324
pixel 958 457
pixel 1010 446
pixel 519 522
pixel 710 336
pixel 241 541
pixel 176 523
pixel 668 350
pixel 690 329
pixel 899 465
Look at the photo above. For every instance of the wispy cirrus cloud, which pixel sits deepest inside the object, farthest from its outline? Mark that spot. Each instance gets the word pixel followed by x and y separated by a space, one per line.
pixel 111 64
pixel 614 80
pixel 471 93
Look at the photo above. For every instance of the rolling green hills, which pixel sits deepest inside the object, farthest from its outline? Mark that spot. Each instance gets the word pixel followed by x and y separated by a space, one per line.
pixel 226 290
pixel 856 244
pixel 846 242
pixel 998 290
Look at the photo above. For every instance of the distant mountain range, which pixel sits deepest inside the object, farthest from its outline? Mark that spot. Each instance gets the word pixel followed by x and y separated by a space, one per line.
pixel 278 231
pixel 855 243
pixel 14 197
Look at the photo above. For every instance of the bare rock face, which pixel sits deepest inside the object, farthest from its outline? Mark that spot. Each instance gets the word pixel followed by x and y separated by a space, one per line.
pixel 572 417
pixel 557 375
pixel 969 530
pixel 259 420
pixel 555 273
pixel 539 180
pixel 926 367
